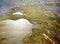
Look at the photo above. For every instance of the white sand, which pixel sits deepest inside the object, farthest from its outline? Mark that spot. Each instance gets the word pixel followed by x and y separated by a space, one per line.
pixel 15 31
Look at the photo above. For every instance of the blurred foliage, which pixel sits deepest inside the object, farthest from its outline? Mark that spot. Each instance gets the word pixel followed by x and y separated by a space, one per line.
pixel 4 41
pixel 48 24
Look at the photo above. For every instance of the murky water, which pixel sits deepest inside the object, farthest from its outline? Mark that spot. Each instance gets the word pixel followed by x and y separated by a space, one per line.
pixel 15 31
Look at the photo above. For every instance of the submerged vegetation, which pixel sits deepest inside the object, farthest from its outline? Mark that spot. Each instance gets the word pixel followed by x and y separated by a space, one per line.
pixel 48 31
pixel 48 23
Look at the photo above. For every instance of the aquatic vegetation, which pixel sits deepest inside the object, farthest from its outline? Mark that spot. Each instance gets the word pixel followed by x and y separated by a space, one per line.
pixel 48 23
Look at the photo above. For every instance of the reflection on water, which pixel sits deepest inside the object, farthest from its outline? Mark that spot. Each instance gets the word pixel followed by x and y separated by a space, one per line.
pixel 15 31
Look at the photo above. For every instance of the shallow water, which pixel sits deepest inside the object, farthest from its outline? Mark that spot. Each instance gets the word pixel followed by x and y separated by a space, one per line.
pixel 15 31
